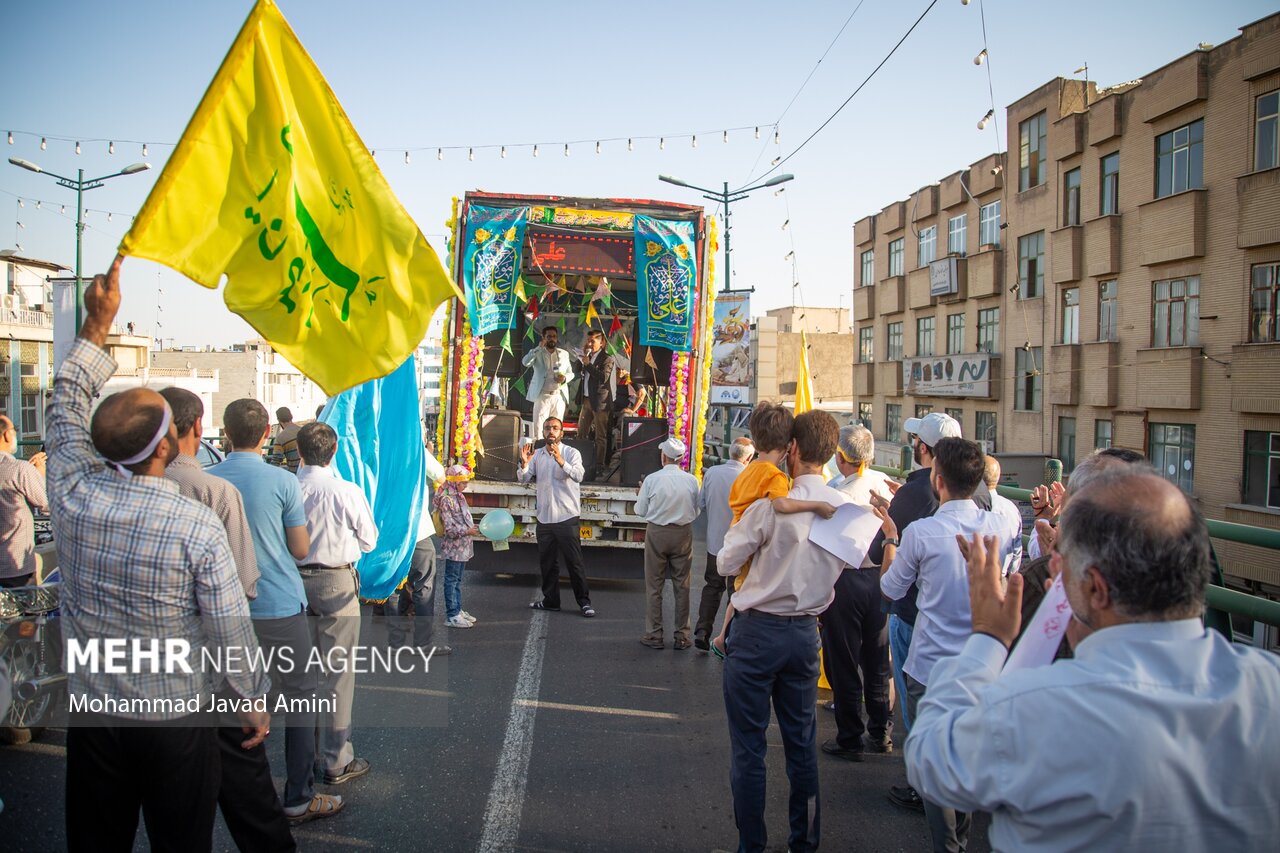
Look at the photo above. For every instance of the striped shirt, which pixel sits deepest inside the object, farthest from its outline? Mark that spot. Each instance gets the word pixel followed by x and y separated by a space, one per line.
pixel 139 561
pixel 284 447
pixel 224 499
pixel 21 490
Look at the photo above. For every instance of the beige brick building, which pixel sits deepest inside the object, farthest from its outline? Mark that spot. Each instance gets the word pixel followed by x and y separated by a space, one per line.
pixel 1113 281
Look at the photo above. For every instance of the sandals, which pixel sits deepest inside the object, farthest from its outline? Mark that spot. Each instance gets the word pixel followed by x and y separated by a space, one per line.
pixel 321 805
pixel 717 648
pixel 538 605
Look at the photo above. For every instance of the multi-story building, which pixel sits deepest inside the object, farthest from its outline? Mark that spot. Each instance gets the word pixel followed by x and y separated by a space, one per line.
pixel 430 361
pixel 26 320
pixel 798 318
pixel 252 369
pixel 1116 280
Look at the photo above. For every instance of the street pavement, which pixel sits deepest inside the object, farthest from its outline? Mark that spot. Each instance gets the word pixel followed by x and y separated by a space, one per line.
pixel 554 733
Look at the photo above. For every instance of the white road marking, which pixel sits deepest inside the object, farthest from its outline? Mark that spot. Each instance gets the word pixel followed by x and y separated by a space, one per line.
pixel 506 796
pixel 416 691
pixel 601 709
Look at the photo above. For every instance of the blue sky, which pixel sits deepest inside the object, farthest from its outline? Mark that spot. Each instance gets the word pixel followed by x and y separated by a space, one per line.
pixel 426 74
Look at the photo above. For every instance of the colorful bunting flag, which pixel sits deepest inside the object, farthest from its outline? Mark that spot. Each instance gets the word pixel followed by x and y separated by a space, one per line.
pixel 506 342
pixel 592 316
pixel 615 326
pixel 271 186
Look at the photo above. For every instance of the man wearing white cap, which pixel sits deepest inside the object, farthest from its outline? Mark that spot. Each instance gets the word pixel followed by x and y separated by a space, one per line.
pixel 668 501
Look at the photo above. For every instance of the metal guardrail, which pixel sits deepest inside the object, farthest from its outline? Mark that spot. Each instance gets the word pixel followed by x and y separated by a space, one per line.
pixel 1216 597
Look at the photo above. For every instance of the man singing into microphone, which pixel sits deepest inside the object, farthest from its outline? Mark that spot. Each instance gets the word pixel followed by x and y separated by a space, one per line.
pixel 549 386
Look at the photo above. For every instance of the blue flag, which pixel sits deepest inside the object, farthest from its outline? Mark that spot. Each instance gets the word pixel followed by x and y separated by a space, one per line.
pixel 666 277
pixel 380 450
pixel 491 265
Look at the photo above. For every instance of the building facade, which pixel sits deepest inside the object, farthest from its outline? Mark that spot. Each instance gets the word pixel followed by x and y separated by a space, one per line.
pixel 1115 280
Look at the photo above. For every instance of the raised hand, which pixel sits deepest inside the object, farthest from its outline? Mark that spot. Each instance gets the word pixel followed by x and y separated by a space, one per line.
pixel 101 302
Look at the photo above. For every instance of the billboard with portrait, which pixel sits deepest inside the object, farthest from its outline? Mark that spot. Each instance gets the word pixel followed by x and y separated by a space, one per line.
pixel 731 364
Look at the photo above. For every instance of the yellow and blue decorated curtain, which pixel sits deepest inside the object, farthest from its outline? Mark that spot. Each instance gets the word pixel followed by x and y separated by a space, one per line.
pixel 271 186
pixel 491 265
pixel 666 281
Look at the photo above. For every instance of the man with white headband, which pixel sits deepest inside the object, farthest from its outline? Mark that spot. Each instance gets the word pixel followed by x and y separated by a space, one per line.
pixel 140 565
pixel 668 501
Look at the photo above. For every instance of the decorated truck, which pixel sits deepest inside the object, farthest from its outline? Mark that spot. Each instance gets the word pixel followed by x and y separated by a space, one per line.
pixel 640 272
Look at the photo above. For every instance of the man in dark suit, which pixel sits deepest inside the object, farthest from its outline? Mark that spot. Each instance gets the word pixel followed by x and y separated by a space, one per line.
pixel 596 396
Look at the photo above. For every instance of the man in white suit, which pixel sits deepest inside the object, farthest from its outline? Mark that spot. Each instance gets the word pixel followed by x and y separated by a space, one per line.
pixel 549 387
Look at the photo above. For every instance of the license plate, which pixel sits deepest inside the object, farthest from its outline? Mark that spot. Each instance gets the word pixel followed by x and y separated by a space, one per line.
pixel 585 532
pixel 591 506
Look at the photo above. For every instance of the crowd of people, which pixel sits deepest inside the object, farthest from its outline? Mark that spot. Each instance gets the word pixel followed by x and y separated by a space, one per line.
pixel 1147 732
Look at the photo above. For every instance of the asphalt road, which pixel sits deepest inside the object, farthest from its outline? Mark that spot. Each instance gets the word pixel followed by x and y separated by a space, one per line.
pixel 549 732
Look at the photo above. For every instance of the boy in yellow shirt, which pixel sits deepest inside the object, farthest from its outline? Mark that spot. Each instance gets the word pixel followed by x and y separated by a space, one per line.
pixel 770 426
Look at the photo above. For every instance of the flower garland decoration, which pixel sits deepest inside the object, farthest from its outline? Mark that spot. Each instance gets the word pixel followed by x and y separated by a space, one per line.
pixel 704 367
pixel 678 400
pixel 446 348
pixel 466 431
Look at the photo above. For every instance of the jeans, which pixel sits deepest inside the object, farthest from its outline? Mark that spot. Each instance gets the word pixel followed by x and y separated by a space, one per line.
pixel 421 591
pixel 453 587
pixel 899 645
pixel 773 658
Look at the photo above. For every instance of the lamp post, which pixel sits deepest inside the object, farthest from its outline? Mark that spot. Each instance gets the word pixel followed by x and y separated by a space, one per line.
pixel 725 197
pixel 79 184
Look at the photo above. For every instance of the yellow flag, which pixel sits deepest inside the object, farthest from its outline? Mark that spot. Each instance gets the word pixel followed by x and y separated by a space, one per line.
pixel 271 186
pixel 592 316
pixel 804 382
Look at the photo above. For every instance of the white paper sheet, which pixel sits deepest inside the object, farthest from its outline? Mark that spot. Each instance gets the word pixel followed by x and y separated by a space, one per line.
pixel 1044 634
pixel 847 534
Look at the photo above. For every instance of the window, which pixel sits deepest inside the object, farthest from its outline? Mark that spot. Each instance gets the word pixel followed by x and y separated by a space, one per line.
pixel 1173 451
pixel 927 246
pixel 868 268
pixel 1027 379
pixel 1266 153
pixel 1108 315
pixel 1101 435
pixel 866 344
pixel 989 224
pixel 923 409
pixel 958 414
pixel 1067 442
pixel 984 429
pixel 924 336
pixel 1031 265
pixel 1071 198
pixel 26 369
pixel 30 417
pixel 893 352
pixel 1180 160
pixel 1176 315
pixel 1110 184
pixel 989 330
pixel 1031 152
pixel 955 333
pixel 864 414
pixel 893 422
pixel 1262 469
pixel 895 257
pixel 957 234
pixel 1264 304
pixel 1071 315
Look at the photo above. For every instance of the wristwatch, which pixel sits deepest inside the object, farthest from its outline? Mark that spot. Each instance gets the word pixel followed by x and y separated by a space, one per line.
pixel 894 542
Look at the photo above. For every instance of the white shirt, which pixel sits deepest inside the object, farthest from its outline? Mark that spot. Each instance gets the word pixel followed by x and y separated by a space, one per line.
pixel 930 558
pixel 339 520
pixel 1156 736
pixel 434 473
pixel 558 495
pixel 859 488
pixel 1008 510
pixel 714 500
pixel 668 496
pixel 790 576
pixel 546 364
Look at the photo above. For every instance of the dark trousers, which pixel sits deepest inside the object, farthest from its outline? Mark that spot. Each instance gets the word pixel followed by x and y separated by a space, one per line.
pixel 948 828
pixel 415 608
pixel 290 639
pixel 170 773
pixel 855 651
pixel 247 796
pixel 713 587
pixel 21 580
pixel 773 658
pixel 594 423
pixel 561 538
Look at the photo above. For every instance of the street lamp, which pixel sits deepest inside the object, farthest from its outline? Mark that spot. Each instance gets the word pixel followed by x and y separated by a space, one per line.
pixel 79 184
pixel 725 197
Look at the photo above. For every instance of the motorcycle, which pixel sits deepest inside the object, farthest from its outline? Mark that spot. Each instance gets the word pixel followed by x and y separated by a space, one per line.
pixel 31 655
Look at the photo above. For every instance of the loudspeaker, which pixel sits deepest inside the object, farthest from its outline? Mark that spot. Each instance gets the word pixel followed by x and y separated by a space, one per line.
pixel 499 362
pixel 640 453
pixel 643 374
pixel 500 433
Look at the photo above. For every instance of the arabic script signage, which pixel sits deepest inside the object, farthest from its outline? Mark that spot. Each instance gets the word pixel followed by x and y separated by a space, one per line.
pixel 948 375
pixel 555 251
